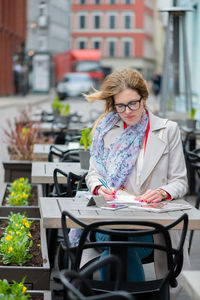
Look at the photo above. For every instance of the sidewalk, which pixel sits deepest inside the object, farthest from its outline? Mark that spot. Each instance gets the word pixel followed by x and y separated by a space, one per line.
pixel 18 101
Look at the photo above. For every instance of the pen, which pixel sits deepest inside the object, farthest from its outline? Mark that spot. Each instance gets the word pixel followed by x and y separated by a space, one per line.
pixel 104 184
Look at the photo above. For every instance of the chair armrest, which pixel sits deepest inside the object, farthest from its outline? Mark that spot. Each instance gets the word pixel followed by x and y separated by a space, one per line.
pixel 178 253
pixel 55 178
pixel 51 154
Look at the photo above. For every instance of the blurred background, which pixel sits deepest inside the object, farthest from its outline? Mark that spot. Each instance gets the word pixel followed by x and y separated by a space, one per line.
pixel 42 41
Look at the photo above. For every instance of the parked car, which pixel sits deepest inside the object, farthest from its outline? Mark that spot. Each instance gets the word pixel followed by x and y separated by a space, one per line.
pixel 73 84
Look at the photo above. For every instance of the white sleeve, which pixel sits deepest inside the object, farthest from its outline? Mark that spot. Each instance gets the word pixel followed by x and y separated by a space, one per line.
pixel 92 177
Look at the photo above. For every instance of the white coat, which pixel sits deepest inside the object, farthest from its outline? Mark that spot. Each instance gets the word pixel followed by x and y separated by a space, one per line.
pixel 163 167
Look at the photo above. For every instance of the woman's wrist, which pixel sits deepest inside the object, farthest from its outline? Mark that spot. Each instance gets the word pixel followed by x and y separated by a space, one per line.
pixel 163 194
pixel 96 189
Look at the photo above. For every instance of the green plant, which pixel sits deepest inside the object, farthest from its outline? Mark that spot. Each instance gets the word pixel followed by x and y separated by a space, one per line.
pixel 64 110
pixel 86 139
pixel 192 113
pixel 19 192
pixel 16 241
pixel 56 103
pixel 20 185
pixel 15 291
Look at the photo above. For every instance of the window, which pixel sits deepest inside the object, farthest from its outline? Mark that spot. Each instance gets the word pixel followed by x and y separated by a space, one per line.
pixel 111 48
pixel 127 49
pixel 127 1
pixel 111 22
pixel 127 21
pixel 97 1
pixel 42 8
pixel 42 41
pixel 81 45
pixel 112 1
pixel 97 22
pixel 82 1
pixel 82 21
pixel 96 45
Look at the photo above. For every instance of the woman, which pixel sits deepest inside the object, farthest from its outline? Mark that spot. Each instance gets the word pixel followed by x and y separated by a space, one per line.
pixel 134 149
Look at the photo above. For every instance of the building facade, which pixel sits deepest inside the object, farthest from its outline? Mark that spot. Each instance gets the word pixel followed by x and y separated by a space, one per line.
pixel 122 29
pixel 47 26
pixel 47 34
pixel 12 39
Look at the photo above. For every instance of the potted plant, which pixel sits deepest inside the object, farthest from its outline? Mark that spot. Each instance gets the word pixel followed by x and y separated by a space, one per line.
pixel 55 106
pixel 191 122
pixel 20 140
pixel 12 199
pixel 64 117
pixel 86 142
pixel 17 290
pixel 23 251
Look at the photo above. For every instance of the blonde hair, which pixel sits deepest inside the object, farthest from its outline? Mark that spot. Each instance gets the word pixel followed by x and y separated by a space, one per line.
pixel 115 83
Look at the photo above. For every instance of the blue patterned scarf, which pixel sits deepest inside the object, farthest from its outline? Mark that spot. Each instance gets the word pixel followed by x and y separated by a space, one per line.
pixel 116 163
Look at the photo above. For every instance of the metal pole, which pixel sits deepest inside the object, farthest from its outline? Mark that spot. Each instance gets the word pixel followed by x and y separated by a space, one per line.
pixel 188 89
pixel 164 86
pixel 176 54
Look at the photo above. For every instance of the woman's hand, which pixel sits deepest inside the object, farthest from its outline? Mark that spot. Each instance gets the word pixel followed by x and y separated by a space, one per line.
pixel 150 196
pixel 106 193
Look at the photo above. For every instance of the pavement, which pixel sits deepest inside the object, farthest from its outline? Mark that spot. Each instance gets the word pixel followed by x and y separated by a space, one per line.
pixel 29 99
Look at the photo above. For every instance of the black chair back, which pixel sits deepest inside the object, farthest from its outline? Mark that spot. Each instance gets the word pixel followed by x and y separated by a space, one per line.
pixel 119 240
pixel 77 287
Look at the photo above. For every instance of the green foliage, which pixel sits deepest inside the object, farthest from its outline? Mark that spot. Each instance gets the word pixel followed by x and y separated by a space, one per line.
pixel 192 113
pixel 19 192
pixel 86 139
pixel 64 110
pixel 16 291
pixel 56 103
pixel 16 240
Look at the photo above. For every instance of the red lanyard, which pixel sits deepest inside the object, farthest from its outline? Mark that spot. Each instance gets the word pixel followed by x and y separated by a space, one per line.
pixel 147 133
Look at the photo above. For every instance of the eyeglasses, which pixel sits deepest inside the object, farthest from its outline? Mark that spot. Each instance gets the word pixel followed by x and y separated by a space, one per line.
pixel 132 105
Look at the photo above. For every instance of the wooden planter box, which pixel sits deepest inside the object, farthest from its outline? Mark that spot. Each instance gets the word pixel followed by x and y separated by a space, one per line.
pixel 46 294
pixel 15 169
pixel 37 278
pixel 31 211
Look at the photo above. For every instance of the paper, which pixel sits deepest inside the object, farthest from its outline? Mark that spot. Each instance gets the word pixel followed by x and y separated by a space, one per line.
pixel 125 198
pixel 161 207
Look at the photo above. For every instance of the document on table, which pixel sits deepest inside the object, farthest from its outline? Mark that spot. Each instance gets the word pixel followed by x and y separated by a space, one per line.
pixel 123 197
pixel 161 207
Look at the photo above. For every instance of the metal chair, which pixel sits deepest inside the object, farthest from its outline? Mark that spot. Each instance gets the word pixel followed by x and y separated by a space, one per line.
pixel 193 159
pixel 71 155
pixel 152 289
pixel 76 286
pixel 74 184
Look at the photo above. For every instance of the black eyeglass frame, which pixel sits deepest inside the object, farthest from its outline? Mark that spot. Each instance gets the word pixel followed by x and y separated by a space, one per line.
pixel 127 105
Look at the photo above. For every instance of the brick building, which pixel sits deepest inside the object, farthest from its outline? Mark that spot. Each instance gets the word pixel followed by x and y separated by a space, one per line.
pixel 122 29
pixel 12 39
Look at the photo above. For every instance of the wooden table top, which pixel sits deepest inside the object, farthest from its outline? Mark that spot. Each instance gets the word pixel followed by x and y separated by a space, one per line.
pixel 58 127
pixel 51 208
pixel 42 172
pixel 41 151
pixel 190 282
